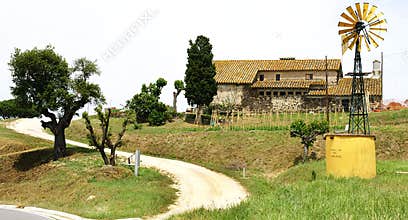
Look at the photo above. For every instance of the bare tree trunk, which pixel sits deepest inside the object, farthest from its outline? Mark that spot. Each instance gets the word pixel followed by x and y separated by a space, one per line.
pixel 198 115
pixel 60 145
pixel 113 156
pixel 305 153
pixel 104 157
pixel 175 101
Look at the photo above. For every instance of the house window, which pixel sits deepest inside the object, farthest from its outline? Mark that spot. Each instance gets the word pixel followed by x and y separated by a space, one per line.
pixel 261 93
pixel 268 93
pixel 290 93
pixel 282 93
pixel 309 76
pixel 298 93
pixel 261 77
pixel 275 93
pixel 277 77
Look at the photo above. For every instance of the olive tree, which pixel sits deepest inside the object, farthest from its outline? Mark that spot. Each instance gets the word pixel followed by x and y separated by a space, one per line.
pixel 44 81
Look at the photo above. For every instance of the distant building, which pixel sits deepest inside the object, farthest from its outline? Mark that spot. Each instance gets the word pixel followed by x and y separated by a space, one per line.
pixel 288 84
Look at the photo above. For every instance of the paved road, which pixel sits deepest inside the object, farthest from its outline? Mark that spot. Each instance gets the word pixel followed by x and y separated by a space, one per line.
pixel 13 214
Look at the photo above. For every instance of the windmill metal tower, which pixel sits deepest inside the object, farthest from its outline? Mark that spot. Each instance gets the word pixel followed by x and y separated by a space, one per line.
pixel 358 25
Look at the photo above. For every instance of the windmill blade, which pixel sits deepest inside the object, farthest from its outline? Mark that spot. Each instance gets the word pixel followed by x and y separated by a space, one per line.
pixel 373 41
pixel 365 10
pixel 343 24
pixel 378 16
pixel 365 34
pixel 348 18
pixel 376 35
pixel 360 42
pixel 346 31
pixel 367 44
pixel 371 13
pixel 344 44
pixel 346 39
pixel 351 46
pixel 352 13
pixel 360 15
pixel 379 29
pixel 378 22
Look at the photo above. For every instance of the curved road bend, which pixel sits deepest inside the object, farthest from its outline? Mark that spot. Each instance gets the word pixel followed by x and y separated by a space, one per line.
pixel 198 186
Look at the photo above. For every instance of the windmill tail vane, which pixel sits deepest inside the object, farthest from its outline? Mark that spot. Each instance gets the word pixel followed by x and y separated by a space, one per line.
pixel 360 25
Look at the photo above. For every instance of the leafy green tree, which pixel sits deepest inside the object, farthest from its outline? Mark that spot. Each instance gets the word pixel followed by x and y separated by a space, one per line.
pixel 147 106
pixel 308 133
pixel 200 85
pixel 7 108
pixel 10 109
pixel 43 80
pixel 179 86
pixel 100 143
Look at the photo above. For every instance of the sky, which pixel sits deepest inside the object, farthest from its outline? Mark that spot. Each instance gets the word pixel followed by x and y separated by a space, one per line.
pixel 136 42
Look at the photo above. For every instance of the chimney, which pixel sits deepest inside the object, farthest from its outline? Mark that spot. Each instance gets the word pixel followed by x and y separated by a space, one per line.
pixel 376 69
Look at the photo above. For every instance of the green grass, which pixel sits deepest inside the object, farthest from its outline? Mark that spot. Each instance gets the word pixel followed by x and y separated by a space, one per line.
pixel 11 141
pixel 296 195
pixel 268 151
pixel 31 178
pixel 265 149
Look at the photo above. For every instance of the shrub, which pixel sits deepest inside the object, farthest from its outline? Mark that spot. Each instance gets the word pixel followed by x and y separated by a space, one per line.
pixel 11 109
pixel 308 133
pixel 147 106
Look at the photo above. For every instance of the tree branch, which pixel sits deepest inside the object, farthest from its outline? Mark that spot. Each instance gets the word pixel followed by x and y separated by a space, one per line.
pixel 122 132
pixel 52 125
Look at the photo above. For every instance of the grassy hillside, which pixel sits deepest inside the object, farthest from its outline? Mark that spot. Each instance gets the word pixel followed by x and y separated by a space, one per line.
pixel 268 152
pixel 294 194
pixel 77 184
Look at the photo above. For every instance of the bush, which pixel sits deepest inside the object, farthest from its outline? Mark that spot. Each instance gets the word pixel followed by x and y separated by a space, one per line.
pixel 308 133
pixel 157 118
pixel 137 126
pixel 190 118
pixel 11 109
pixel 147 106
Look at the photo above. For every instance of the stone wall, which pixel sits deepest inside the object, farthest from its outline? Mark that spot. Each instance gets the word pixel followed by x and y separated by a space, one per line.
pixel 243 97
pixel 291 104
pixel 231 94
pixel 275 104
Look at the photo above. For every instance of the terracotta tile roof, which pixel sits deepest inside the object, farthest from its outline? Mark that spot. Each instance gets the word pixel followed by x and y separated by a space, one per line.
pixel 244 71
pixel 287 84
pixel 373 86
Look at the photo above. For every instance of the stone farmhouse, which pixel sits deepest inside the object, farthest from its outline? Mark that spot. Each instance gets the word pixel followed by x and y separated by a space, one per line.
pixel 288 84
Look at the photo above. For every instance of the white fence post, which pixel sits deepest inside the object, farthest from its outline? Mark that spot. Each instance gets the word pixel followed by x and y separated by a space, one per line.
pixel 137 162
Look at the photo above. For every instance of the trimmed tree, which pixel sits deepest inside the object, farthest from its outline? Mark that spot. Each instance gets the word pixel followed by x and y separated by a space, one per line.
pixel 200 85
pixel 43 80
pixel 105 140
pixel 179 86
pixel 308 133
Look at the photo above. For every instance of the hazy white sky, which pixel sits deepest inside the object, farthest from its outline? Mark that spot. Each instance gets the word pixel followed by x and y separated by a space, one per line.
pixel 137 42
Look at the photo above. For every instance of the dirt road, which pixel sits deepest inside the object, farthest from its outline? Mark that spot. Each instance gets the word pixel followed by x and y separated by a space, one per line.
pixel 198 186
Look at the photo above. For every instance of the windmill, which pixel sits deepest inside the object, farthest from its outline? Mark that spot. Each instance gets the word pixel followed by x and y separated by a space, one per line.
pixel 358 25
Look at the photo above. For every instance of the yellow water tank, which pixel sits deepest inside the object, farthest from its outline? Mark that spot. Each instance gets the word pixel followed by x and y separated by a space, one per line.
pixel 350 155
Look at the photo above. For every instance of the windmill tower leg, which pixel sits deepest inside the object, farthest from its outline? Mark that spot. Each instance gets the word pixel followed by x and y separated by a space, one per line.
pixel 358 120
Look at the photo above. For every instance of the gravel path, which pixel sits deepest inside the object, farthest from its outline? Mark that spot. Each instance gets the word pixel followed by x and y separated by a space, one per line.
pixel 198 187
